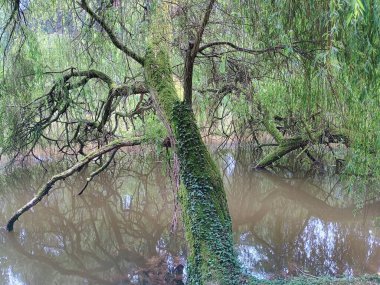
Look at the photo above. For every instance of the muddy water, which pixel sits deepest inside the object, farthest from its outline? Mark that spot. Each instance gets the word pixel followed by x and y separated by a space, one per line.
pixel 118 231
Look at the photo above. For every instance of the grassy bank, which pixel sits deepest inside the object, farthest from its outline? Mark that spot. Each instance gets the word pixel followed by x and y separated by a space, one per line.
pixel 364 280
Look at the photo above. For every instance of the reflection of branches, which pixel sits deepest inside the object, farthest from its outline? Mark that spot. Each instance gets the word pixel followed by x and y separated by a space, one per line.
pixel 293 192
pixel 316 207
pixel 55 265
pixel 97 236
pixel 295 230
pixel 47 187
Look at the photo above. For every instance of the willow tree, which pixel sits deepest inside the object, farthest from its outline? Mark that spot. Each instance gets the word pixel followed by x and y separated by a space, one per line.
pixel 204 206
pixel 110 68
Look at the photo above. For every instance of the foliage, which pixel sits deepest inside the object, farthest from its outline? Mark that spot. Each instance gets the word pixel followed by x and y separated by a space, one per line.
pixel 79 74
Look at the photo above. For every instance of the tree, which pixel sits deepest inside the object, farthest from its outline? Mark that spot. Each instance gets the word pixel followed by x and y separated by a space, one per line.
pixel 283 68
pixel 205 211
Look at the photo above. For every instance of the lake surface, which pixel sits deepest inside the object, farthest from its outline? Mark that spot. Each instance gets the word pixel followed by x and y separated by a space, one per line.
pixel 121 230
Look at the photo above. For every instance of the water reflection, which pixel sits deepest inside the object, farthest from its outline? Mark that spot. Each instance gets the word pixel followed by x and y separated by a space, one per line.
pixel 288 227
pixel 117 232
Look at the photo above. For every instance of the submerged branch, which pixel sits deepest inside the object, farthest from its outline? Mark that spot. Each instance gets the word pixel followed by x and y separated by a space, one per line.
pixel 288 145
pixel 44 190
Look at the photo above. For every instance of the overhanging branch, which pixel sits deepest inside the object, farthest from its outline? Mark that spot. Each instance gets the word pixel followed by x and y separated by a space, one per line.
pixel 41 113
pixel 111 34
pixel 44 190
pixel 294 45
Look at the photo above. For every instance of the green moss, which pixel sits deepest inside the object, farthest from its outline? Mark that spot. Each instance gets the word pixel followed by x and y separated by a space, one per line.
pixel 204 205
pixel 159 77
pixel 286 146
pixel 270 125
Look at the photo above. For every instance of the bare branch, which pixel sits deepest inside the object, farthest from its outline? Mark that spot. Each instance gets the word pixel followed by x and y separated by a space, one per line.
pixel 111 34
pixel 201 29
pixel 191 54
pixel 44 190
pixel 251 51
pixel 97 171
pixel 294 45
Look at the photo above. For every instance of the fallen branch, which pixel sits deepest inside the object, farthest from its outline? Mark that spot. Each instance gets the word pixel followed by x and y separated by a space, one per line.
pixel 288 145
pixel 61 176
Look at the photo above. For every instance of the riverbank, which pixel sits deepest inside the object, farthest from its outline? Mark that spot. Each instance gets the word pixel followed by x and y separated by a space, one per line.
pixel 363 280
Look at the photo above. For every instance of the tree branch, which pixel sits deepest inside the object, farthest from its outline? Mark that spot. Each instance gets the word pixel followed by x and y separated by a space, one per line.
pixel 44 190
pixel 97 171
pixel 111 34
pixel 294 45
pixel 12 17
pixel 251 51
pixel 201 29
pixel 191 53
pixel 90 74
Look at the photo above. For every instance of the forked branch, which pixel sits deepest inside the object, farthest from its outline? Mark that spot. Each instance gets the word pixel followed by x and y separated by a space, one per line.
pixel 192 53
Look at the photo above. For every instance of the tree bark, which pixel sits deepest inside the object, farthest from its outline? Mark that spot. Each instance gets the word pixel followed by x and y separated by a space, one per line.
pixel 204 206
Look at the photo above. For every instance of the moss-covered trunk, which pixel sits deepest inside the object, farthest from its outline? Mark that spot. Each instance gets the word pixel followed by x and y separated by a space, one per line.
pixel 205 213
pixel 204 205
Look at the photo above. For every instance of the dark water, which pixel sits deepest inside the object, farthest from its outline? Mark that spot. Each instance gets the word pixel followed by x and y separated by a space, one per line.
pixel 118 231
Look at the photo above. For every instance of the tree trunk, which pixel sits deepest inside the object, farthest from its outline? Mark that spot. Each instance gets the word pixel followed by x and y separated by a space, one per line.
pixel 204 206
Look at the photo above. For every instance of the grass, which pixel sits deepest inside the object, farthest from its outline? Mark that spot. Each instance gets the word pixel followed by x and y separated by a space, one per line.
pixel 363 280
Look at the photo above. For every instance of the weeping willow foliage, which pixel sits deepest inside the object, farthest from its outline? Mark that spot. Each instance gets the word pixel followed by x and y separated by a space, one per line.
pixel 314 64
pixel 329 79
pixel 56 38
pixel 293 70
pixel 359 75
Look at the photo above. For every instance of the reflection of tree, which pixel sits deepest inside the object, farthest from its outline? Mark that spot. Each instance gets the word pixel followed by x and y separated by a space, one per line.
pixel 96 238
pixel 288 226
pixel 118 228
